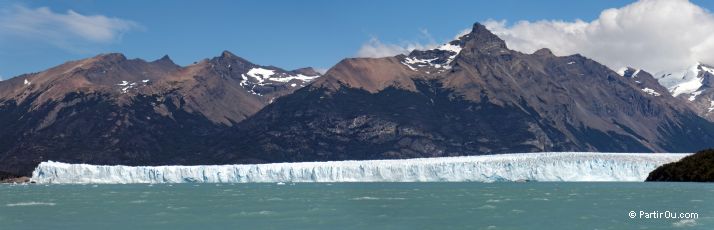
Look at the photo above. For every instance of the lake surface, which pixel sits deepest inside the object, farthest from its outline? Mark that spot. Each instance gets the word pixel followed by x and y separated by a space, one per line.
pixel 357 206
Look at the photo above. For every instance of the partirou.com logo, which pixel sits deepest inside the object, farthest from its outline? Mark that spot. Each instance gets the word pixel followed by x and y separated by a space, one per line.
pixel 662 215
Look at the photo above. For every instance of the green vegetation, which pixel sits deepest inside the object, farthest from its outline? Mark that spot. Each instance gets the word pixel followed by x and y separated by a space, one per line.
pixel 695 168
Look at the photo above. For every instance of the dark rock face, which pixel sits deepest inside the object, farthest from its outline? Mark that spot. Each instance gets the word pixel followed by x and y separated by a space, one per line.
pixel 394 123
pixel 645 81
pixel 695 168
pixel 93 129
pixel 111 110
pixel 703 101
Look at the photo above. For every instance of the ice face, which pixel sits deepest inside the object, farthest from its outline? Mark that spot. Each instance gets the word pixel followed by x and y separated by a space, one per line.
pixel 565 166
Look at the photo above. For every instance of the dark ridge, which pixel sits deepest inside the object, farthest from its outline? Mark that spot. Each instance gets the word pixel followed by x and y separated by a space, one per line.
pixel 432 122
pixel 111 57
pixel 607 141
pixel 697 134
pixel 227 57
pixel 543 52
pixel 94 131
pixel 698 167
pixel 227 54
pixel 165 60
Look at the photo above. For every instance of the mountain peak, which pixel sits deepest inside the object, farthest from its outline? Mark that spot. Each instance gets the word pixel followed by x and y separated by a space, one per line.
pixel 543 52
pixel 228 54
pixel 165 60
pixel 482 39
pixel 110 57
pixel 230 57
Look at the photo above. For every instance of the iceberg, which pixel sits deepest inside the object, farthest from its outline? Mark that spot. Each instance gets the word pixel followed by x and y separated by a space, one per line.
pixel 546 166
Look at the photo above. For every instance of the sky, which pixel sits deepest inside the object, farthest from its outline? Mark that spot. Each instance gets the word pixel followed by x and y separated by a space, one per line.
pixel 652 34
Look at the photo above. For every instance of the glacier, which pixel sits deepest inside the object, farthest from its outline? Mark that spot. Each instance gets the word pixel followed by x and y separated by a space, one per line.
pixel 546 166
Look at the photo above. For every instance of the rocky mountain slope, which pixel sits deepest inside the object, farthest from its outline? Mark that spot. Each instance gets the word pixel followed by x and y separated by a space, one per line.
pixel 109 109
pixel 471 96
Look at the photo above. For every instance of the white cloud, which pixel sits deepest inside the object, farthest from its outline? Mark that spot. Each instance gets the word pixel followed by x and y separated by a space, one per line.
pixel 376 48
pixel 462 33
pixel 66 30
pixel 654 35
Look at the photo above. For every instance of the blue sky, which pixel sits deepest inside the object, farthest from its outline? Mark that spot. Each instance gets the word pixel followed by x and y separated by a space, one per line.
pixel 287 34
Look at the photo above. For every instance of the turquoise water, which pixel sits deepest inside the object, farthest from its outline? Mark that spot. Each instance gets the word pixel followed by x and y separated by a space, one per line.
pixel 355 206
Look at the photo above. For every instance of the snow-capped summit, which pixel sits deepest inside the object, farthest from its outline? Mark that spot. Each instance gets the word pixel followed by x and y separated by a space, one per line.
pixel 694 85
pixel 440 59
pixel 267 82
pixel 685 82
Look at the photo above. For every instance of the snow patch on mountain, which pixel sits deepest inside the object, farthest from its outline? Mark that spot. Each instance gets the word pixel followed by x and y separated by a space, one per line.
pixel 260 74
pixel 548 166
pixel 299 77
pixel 263 75
pixel 651 92
pixel 451 48
pixel 437 63
pixel 259 77
pixel 125 86
pixel 419 62
pixel 634 75
pixel 416 63
pixel 694 95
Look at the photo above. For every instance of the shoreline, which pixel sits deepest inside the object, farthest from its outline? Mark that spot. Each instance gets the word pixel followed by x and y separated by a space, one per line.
pixel 16 180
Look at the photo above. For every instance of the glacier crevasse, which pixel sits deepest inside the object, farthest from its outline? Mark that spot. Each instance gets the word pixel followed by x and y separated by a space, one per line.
pixel 547 166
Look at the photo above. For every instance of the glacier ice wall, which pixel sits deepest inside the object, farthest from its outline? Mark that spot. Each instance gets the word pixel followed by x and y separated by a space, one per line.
pixel 550 166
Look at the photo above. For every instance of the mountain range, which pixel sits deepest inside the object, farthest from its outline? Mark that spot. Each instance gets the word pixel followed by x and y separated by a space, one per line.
pixel 471 96
pixel 110 109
